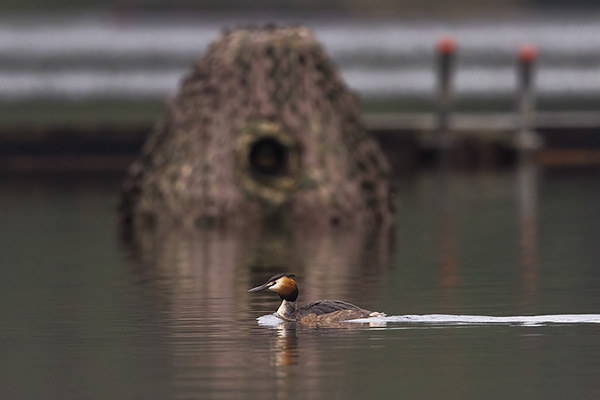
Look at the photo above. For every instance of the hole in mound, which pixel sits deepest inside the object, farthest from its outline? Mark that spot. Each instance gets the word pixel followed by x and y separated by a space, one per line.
pixel 268 157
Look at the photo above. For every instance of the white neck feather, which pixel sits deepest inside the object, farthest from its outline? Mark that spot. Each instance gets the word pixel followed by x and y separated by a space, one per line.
pixel 287 310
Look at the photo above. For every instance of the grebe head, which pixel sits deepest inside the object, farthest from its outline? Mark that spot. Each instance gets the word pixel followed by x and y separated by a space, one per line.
pixel 283 284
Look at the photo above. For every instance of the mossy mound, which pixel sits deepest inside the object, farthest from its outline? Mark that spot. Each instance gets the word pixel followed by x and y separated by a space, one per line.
pixel 263 128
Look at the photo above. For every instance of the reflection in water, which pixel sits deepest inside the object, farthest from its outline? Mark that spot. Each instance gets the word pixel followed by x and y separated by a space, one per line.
pixel 285 349
pixel 76 325
pixel 297 345
pixel 198 281
pixel 526 176
pixel 284 354
pixel 448 247
pixel 527 196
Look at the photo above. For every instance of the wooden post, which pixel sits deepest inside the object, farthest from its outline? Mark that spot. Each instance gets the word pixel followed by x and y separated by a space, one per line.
pixel 446 49
pixel 526 139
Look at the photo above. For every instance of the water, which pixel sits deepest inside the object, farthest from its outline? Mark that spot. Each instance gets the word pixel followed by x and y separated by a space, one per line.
pixel 143 56
pixel 85 316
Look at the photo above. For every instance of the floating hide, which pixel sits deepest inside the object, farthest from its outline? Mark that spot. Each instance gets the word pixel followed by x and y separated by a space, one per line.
pixel 262 129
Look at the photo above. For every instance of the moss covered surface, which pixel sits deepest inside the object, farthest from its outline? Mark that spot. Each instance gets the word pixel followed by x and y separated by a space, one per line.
pixel 273 85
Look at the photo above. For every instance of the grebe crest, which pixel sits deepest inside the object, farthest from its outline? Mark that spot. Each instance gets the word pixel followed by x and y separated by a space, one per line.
pixel 322 311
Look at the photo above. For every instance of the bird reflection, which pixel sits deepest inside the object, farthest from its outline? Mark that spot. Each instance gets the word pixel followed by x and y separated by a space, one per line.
pixel 285 349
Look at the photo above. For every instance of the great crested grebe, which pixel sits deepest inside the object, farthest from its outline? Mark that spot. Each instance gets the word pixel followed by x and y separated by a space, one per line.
pixel 321 311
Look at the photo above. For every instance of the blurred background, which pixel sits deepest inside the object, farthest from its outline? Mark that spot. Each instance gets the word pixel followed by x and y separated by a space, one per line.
pixel 97 73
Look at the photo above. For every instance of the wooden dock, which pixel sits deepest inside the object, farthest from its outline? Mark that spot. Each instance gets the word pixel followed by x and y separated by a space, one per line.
pixel 482 122
pixel 489 139
pixel 409 139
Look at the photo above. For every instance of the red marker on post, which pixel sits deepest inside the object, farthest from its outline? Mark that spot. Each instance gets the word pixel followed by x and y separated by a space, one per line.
pixel 526 139
pixel 527 53
pixel 446 45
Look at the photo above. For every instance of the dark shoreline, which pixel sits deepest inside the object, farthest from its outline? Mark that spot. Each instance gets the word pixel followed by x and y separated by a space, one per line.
pixel 408 140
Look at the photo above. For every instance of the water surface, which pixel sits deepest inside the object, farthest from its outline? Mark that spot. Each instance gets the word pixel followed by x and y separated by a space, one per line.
pixel 85 316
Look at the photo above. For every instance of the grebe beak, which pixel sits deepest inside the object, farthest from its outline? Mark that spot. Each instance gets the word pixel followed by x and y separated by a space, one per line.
pixel 261 287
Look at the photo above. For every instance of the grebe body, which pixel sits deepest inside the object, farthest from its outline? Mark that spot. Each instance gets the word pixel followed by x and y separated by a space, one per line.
pixel 321 311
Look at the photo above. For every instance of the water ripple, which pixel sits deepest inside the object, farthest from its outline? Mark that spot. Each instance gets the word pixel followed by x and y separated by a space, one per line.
pixel 448 319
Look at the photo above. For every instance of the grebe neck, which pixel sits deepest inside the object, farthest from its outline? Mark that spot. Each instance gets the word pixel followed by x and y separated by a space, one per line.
pixel 287 310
